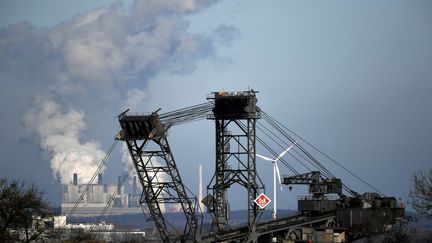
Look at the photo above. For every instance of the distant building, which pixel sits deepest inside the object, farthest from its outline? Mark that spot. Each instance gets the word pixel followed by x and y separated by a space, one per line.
pixel 102 230
pixel 59 222
pixel 97 197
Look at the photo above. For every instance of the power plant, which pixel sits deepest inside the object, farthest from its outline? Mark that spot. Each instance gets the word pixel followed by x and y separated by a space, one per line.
pixel 332 212
pixel 95 199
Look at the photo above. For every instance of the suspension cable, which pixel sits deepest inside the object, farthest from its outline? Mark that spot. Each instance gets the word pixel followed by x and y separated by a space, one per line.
pixel 327 156
pixel 266 131
pixel 272 151
pixel 316 165
pixel 81 197
pixel 185 115
pixel 112 197
pixel 326 173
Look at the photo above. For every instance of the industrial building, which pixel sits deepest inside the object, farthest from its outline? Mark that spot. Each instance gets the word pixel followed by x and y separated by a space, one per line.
pixel 97 197
pixel 101 231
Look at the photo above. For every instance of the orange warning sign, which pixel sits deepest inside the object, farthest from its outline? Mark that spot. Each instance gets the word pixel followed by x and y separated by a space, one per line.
pixel 262 200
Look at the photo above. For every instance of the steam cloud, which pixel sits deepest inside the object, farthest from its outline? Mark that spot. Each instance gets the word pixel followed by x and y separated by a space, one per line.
pixel 135 98
pixel 97 56
pixel 60 135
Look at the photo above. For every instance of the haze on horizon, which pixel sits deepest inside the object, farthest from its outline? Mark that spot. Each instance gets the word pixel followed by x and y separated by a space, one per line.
pixel 352 77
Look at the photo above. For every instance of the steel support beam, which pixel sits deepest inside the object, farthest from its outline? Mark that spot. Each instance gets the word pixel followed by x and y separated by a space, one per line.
pixel 160 179
pixel 149 186
pixel 235 116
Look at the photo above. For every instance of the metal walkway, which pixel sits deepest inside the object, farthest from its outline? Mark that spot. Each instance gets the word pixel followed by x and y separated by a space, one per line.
pixel 270 227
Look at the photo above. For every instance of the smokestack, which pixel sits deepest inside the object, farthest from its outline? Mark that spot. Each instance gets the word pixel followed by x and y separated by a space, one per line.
pixel 75 179
pixel 119 179
pixel 134 185
pixel 99 179
pixel 200 193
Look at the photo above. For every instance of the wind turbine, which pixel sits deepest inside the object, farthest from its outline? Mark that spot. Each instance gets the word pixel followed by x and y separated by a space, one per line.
pixel 276 172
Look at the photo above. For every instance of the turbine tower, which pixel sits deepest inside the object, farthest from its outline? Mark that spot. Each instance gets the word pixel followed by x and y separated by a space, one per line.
pixel 276 172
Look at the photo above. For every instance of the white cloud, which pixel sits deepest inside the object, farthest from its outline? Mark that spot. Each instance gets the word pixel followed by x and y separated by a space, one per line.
pixel 95 55
pixel 59 134
pixel 135 99
pixel 108 46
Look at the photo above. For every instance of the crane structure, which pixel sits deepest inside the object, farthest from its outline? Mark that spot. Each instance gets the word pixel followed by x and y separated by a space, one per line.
pixel 235 115
pixel 318 185
pixel 236 118
pixel 146 139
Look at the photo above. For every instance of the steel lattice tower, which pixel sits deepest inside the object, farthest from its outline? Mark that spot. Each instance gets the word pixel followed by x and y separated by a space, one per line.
pixel 146 139
pixel 235 115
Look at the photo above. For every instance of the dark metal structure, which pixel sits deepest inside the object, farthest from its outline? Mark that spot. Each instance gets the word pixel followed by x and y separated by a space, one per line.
pixel 318 186
pixel 284 228
pixel 235 115
pixel 359 215
pixel 146 139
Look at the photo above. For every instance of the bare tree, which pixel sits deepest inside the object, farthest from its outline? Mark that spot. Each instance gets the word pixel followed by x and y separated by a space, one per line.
pixel 421 193
pixel 397 233
pixel 23 208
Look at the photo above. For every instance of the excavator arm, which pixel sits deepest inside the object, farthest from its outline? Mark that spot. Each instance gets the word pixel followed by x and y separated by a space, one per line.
pixel 318 185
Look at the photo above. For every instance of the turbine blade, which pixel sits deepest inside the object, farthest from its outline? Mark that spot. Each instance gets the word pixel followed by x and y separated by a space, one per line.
pixel 278 174
pixel 286 151
pixel 264 158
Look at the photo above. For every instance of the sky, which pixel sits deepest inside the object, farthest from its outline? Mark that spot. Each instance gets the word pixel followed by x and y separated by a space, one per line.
pixel 352 77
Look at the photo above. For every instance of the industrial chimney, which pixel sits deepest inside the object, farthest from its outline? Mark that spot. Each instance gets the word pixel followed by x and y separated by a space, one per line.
pixel 119 179
pixel 99 179
pixel 134 187
pixel 200 192
pixel 75 179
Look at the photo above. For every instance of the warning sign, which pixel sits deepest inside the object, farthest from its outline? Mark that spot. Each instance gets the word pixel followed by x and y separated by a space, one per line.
pixel 262 200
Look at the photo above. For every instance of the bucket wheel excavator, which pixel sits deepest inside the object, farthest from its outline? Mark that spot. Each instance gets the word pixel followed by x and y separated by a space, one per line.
pixel 236 118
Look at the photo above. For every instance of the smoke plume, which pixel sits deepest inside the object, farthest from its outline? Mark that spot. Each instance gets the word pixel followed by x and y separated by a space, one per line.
pixel 135 98
pixel 94 59
pixel 59 135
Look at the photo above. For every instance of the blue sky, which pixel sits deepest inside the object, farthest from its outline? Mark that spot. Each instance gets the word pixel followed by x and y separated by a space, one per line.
pixel 353 77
